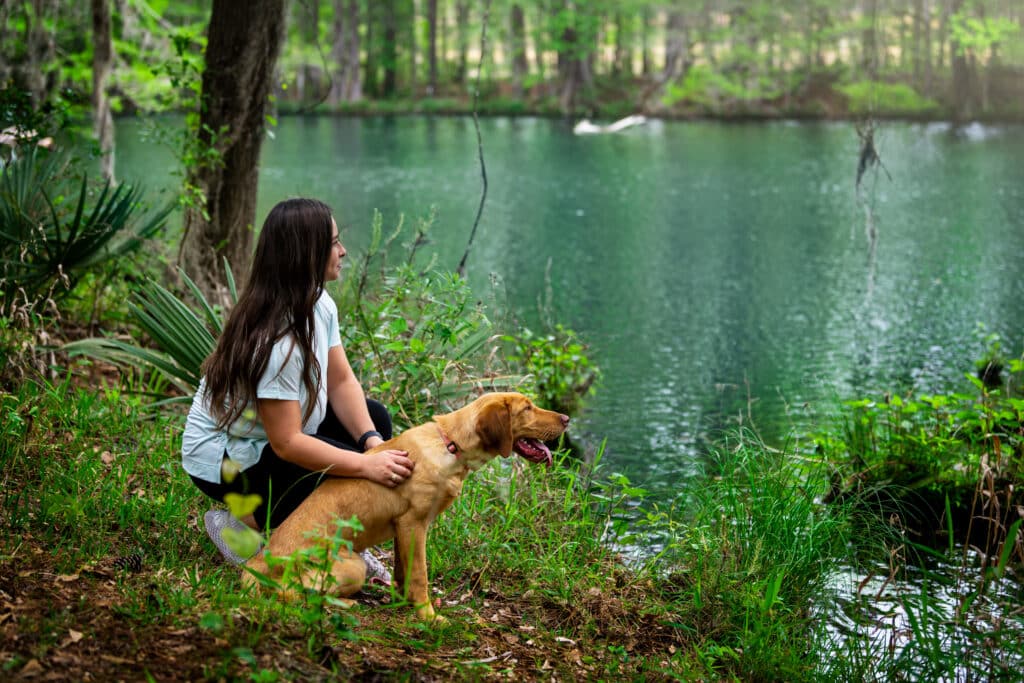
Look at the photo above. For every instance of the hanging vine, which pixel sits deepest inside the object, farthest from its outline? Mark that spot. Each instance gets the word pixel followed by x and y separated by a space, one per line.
pixel 461 270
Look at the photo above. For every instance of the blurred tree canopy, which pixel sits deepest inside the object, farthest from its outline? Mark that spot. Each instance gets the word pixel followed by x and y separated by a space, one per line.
pixel 963 58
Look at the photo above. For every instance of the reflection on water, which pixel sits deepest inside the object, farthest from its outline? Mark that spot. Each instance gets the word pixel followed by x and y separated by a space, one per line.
pixel 930 606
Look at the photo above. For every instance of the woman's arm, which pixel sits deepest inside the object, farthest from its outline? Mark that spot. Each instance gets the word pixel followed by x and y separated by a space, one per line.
pixel 282 421
pixel 346 397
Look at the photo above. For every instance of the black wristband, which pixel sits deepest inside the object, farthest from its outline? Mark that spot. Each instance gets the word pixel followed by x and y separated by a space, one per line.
pixel 361 444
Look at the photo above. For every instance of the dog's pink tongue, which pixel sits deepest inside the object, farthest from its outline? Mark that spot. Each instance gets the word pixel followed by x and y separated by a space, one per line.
pixel 533 450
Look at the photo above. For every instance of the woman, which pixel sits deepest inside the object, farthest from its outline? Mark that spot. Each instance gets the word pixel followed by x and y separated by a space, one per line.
pixel 278 400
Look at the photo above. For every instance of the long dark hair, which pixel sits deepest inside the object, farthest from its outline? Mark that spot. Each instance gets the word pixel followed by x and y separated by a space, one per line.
pixel 285 280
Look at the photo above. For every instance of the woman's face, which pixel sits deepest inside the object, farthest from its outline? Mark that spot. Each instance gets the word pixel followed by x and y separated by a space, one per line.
pixel 337 253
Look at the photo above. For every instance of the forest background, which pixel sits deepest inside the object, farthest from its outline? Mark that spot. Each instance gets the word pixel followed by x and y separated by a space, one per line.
pixel 952 59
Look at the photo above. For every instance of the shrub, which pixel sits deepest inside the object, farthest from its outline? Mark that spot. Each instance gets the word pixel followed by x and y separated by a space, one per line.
pixel 894 98
pixel 54 227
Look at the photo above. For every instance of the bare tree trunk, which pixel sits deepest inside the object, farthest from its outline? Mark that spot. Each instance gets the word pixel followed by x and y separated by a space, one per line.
pixel 520 67
pixel 432 47
pixel 962 96
pixel 620 62
pixel 346 83
pixel 31 72
pixel 926 49
pixel 371 85
pixel 308 76
pixel 677 54
pixel 869 40
pixel 102 59
pixel 462 38
pixel 413 50
pixel 390 49
pixel 646 61
pixel 242 48
pixel 354 83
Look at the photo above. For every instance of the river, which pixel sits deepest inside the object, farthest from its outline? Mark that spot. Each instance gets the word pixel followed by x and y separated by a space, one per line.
pixel 719 272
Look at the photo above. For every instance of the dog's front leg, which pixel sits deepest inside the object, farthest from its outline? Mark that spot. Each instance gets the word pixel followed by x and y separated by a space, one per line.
pixel 411 546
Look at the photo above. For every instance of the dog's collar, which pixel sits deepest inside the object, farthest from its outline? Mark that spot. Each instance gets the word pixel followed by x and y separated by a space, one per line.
pixel 450 445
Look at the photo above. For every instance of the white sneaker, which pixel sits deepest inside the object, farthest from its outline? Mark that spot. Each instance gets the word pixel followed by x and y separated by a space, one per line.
pixel 376 572
pixel 215 522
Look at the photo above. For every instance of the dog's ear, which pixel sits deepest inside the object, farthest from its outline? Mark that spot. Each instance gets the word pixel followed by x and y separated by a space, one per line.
pixel 494 426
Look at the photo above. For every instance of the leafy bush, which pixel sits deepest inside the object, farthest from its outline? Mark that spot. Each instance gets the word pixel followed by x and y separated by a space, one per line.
pixel 893 98
pixel 54 227
pixel 416 336
pixel 962 451
pixel 184 336
pixel 558 364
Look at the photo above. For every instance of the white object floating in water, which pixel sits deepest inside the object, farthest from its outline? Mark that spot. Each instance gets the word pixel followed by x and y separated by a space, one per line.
pixel 585 127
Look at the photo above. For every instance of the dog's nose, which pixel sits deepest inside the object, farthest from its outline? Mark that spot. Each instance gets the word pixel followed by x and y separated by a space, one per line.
pixel 565 420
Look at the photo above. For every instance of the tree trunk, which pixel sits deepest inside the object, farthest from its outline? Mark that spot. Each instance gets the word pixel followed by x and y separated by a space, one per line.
pixel 916 39
pixel 431 47
pixel 620 62
pixel 677 55
pixel 926 50
pixel 346 85
pixel 371 85
pixel 869 41
pixel 307 75
pixel 962 95
pixel 413 49
pixel 102 60
pixel 646 62
pixel 33 72
pixel 462 38
pixel 574 62
pixel 242 48
pixel 389 49
pixel 520 67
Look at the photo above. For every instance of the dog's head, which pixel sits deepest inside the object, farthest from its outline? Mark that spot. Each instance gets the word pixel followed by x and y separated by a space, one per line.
pixel 506 423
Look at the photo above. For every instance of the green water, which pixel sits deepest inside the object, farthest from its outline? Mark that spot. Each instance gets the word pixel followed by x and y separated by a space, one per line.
pixel 716 270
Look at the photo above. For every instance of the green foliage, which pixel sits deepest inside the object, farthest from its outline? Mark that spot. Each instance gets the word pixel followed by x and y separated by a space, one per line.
pixel 416 336
pixel 184 336
pixel 872 97
pixel 54 226
pixel 980 35
pixel 743 549
pixel 713 88
pixel 558 365
pixel 936 442
pixel 323 617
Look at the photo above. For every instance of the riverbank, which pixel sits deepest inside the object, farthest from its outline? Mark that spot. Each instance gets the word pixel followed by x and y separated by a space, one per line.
pixel 820 100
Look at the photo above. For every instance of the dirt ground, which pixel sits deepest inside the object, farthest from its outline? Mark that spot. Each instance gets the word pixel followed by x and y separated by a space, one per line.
pixel 97 625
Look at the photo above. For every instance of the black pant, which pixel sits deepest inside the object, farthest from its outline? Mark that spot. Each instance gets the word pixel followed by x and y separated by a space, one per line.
pixel 283 485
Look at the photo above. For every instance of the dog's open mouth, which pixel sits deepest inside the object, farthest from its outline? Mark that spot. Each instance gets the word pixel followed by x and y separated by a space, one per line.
pixel 533 450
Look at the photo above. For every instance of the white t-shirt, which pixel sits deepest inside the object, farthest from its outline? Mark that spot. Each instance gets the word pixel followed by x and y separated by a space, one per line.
pixel 203 445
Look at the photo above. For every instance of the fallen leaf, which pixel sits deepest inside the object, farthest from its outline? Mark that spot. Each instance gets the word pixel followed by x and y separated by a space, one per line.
pixel 562 639
pixel 106 457
pixel 32 668
pixel 67 578
pixel 74 635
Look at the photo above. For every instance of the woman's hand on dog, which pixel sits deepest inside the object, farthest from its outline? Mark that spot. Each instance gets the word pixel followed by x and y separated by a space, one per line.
pixel 388 468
